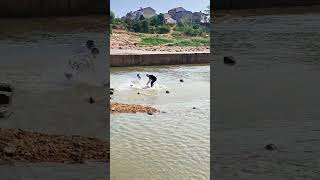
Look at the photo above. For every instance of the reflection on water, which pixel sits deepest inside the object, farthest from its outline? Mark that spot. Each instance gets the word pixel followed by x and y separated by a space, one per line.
pixel 173 144
pixel 270 96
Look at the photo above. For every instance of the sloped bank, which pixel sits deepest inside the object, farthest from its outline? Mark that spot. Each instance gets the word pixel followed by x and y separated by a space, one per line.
pixel 20 145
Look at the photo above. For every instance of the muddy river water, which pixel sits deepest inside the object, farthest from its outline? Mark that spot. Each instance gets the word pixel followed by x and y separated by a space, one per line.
pixel 270 96
pixel 34 55
pixel 173 144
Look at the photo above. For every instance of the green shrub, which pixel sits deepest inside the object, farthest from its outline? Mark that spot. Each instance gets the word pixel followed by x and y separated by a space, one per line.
pixel 164 29
pixel 118 23
pixel 191 29
pixel 155 41
pixel 177 34
pixel 145 26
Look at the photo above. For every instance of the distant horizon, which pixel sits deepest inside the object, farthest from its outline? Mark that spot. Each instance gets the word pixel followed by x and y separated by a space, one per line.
pixel 160 6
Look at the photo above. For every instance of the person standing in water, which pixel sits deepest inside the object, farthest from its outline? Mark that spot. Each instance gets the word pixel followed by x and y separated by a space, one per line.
pixel 152 79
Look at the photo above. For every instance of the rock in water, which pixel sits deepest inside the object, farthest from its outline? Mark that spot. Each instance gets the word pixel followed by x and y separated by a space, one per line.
pixel 167 92
pixel 194 108
pixel 68 75
pixel 229 60
pixel 149 113
pixel 6 87
pixel 90 44
pixel 271 147
pixel 91 100
pixel 95 51
pixel 181 80
pixel 6 91
pixel 4 99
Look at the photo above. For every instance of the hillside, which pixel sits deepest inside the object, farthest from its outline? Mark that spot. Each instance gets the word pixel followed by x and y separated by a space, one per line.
pixel 124 40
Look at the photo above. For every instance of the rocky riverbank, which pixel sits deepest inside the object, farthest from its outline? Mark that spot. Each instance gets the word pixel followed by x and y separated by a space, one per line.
pixel 20 145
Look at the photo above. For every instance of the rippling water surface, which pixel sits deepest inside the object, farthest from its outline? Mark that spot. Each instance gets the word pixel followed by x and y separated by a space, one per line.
pixel 270 96
pixel 173 144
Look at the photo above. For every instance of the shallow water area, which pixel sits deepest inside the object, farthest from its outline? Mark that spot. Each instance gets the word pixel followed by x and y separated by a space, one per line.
pixel 172 144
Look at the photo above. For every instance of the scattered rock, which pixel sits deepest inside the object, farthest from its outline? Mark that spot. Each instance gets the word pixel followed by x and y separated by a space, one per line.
pixel 181 80
pixel 34 146
pixel 91 100
pixel 90 44
pixel 6 87
pixel 167 92
pixel 271 147
pixel 132 108
pixel 68 75
pixel 6 91
pixel 9 150
pixel 4 99
pixel 95 51
pixel 229 60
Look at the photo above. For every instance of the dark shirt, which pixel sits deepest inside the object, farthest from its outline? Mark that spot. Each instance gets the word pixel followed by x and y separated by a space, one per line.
pixel 152 77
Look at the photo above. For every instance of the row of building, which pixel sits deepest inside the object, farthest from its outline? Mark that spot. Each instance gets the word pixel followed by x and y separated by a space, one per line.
pixel 176 15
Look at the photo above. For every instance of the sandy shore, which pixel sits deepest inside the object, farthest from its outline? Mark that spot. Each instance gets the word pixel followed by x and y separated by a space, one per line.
pixel 20 145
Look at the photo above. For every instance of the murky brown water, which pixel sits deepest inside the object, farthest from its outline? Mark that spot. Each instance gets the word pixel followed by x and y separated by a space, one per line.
pixel 270 96
pixel 34 54
pixel 170 145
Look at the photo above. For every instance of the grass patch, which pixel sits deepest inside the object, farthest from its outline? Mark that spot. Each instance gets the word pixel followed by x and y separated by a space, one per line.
pixel 160 40
pixel 155 41
pixel 192 42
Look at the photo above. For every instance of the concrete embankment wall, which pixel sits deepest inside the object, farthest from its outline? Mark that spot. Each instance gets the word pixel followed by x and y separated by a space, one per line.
pixel 21 8
pixel 247 4
pixel 159 59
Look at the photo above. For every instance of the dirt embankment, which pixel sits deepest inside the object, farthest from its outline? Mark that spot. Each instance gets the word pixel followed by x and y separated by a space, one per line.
pixel 125 40
pixel 17 144
pixel 132 108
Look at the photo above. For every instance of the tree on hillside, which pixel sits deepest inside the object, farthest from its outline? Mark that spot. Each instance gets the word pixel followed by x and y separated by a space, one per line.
pixel 145 26
pixel 207 11
pixel 112 16
pixel 161 20
pixel 141 18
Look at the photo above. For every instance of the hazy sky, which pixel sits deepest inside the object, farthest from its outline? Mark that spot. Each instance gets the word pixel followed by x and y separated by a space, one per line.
pixel 121 7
